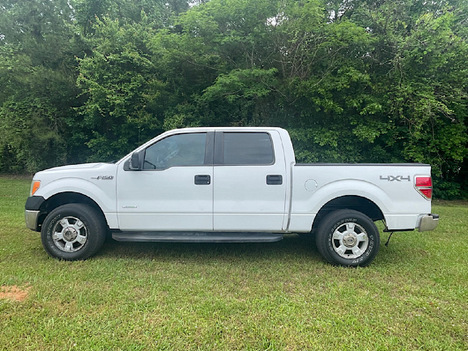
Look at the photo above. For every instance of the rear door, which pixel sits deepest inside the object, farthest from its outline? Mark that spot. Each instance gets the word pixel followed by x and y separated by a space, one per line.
pixel 249 182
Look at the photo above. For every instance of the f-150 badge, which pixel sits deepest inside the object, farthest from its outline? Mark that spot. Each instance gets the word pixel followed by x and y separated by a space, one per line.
pixel 103 177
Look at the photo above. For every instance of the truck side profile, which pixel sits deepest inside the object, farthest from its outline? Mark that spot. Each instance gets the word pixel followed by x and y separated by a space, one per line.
pixel 227 185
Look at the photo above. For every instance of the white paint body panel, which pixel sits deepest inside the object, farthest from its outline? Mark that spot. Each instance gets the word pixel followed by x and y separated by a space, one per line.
pixel 165 200
pixel 83 179
pixel 399 202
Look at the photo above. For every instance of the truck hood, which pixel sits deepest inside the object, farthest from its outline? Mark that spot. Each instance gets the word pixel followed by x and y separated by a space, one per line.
pixel 85 170
pixel 81 166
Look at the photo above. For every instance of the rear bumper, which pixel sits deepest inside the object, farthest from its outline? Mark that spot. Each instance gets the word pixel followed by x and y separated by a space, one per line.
pixel 428 222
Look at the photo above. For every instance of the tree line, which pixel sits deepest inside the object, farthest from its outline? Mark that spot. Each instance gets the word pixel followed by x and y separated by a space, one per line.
pixel 351 80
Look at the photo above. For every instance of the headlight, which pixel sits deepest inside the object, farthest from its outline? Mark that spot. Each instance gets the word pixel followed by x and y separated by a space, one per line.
pixel 35 186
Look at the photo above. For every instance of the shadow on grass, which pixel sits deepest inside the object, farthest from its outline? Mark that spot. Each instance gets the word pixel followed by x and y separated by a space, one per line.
pixel 292 246
pixel 292 249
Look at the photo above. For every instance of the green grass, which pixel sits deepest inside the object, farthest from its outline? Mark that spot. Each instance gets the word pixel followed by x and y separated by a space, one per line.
pixel 278 296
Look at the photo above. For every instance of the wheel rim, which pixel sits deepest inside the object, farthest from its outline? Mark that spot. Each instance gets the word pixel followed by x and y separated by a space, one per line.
pixel 350 240
pixel 70 234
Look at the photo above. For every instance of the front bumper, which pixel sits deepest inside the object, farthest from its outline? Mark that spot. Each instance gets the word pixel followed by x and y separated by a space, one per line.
pixel 428 222
pixel 32 212
pixel 31 219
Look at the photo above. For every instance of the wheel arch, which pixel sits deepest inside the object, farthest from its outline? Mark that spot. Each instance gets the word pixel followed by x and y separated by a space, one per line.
pixel 349 202
pixel 64 198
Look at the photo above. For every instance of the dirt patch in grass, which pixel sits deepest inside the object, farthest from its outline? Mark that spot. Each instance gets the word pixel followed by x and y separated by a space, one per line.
pixel 13 293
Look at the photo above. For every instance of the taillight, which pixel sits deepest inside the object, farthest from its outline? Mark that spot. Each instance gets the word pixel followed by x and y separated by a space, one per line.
pixel 424 186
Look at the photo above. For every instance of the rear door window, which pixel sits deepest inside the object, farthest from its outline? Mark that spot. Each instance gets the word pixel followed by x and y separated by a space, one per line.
pixel 247 149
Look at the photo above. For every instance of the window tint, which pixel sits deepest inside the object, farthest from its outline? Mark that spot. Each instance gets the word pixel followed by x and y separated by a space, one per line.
pixel 248 149
pixel 176 150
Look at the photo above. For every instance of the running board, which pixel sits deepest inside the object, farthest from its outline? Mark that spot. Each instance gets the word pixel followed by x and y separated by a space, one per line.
pixel 197 237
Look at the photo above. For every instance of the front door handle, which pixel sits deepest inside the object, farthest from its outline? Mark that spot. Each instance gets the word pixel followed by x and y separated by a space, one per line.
pixel 274 179
pixel 202 179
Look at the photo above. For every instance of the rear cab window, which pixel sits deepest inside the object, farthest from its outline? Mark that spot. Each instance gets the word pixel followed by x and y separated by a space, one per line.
pixel 240 148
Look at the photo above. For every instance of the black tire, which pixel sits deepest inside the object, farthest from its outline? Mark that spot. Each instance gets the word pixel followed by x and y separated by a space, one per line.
pixel 347 238
pixel 73 232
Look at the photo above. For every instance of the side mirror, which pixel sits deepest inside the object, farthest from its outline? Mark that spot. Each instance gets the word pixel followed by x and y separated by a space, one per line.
pixel 136 161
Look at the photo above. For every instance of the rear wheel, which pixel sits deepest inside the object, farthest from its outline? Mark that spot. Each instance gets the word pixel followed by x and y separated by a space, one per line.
pixel 73 232
pixel 348 238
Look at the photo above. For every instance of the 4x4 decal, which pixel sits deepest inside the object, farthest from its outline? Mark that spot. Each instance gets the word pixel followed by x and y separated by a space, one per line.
pixel 397 178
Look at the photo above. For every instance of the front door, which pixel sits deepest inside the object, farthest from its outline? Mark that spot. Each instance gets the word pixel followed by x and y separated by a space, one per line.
pixel 173 191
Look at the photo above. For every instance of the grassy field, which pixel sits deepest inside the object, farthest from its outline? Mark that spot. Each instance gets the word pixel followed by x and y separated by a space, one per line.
pixel 278 296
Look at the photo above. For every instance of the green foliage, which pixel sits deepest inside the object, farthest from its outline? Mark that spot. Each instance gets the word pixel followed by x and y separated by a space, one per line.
pixel 124 97
pixel 353 81
pixel 38 83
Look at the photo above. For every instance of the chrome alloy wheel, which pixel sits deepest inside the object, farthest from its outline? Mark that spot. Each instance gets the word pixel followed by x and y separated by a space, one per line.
pixel 350 240
pixel 70 234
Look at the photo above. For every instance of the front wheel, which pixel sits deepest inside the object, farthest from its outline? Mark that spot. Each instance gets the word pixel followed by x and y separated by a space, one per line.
pixel 348 238
pixel 73 232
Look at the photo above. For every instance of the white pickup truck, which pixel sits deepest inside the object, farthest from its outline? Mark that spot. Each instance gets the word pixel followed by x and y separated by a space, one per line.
pixel 227 185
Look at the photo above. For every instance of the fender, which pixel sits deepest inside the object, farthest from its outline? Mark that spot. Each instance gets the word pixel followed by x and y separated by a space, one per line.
pixel 302 219
pixel 104 199
pixel 348 187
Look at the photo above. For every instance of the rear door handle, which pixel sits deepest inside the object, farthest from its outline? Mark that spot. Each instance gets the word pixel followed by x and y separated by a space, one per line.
pixel 202 179
pixel 274 179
